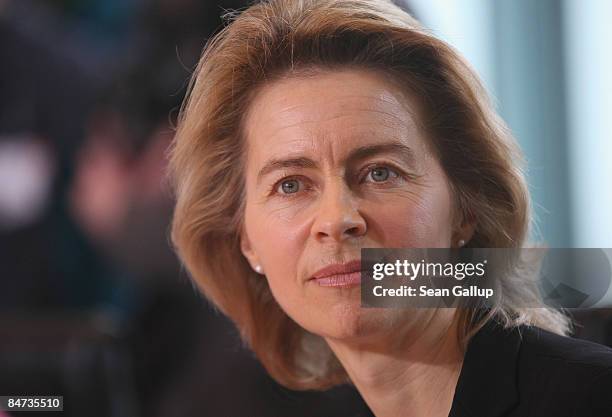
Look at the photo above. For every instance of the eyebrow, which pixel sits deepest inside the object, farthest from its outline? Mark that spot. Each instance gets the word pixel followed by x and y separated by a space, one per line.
pixel 404 152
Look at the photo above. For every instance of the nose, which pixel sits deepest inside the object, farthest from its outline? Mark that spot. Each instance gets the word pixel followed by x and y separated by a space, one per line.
pixel 338 217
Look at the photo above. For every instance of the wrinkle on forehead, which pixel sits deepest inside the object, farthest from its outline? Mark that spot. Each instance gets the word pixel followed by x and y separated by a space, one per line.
pixel 321 112
pixel 310 107
pixel 277 110
pixel 383 103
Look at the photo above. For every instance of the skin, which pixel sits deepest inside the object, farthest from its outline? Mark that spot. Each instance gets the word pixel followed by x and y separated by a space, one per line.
pixel 299 219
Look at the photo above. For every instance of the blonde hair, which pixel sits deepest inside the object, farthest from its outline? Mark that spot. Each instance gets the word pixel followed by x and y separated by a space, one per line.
pixel 280 38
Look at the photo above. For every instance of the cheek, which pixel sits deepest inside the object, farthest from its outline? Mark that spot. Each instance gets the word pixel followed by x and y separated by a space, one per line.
pixel 280 252
pixel 278 241
pixel 423 222
pixel 277 235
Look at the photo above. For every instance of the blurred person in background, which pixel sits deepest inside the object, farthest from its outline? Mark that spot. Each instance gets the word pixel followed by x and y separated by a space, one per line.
pixel 45 102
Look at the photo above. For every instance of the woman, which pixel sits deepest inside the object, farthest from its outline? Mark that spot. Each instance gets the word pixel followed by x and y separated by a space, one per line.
pixel 315 128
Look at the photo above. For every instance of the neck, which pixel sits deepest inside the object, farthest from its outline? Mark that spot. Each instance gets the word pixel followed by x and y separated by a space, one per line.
pixel 394 378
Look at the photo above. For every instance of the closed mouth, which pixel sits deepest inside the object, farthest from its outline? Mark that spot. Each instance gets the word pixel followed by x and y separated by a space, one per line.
pixel 339 275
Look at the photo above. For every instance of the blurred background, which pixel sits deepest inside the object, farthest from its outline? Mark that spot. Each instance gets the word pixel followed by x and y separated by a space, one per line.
pixel 94 305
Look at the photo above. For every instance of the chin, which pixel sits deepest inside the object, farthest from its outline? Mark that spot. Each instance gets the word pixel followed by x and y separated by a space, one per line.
pixel 349 321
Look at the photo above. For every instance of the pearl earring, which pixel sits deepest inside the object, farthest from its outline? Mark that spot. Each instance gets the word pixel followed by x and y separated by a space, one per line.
pixel 258 269
pixel 461 242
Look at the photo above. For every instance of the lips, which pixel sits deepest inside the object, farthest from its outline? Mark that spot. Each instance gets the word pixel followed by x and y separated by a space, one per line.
pixel 339 275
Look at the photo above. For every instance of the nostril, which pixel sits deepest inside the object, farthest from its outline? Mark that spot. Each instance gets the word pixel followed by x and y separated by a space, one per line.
pixel 353 230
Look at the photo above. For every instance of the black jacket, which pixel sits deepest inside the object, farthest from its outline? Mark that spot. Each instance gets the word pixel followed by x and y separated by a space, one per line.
pixel 530 372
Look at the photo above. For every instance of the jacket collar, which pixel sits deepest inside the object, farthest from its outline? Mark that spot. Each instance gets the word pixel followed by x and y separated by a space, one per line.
pixel 487 384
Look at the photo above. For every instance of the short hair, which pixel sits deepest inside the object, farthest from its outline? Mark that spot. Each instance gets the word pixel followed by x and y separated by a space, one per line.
pixel 277 39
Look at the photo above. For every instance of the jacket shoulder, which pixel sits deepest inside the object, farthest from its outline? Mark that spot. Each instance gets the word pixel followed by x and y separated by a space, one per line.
pixel 565 374
pixel 565 349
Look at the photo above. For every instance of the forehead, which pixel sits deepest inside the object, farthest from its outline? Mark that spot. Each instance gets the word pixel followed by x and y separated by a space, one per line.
pixel 346 108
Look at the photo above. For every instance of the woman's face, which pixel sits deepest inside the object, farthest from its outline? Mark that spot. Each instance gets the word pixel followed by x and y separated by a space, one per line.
pixel 336 163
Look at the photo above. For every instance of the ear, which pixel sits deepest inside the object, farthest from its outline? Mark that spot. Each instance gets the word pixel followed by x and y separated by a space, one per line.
pixel 247 249
pixel 466 229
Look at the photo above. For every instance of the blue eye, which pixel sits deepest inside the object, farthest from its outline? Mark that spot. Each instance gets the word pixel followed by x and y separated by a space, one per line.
pixel 290 186
pixel 381 174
